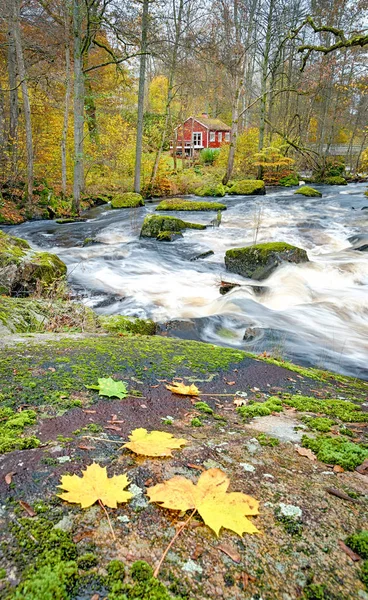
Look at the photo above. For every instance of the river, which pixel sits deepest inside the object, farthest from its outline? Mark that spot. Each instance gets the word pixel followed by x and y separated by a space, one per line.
pixel 314 313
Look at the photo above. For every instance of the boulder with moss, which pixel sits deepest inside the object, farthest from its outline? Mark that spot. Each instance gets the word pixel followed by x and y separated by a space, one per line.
pixel 308 191
pixel 127 200
pixel 247 187
pixel 336 180
pixel 22 271
pixel 213 190
pixel 260 260
pixel 160 228
pixel 179 204
pixel 127 325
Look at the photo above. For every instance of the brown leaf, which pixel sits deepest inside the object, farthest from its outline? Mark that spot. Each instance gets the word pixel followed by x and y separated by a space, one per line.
pixel 198 467
pixel 198 551
pixel 339 494
pixel 246 579
pixel 239 401
pixel 355 557
pixel 113 427
pixel 9 476
pixel 363 468
pixel 230 382
pixel 82 447
pixel 115 421
pixel 89 412
pixel 27 508
pixel 338 469
pixel 154 386
pixel 148 482
pixel 95 597
pixel 230 551
pixel 306 452
pixel 82 535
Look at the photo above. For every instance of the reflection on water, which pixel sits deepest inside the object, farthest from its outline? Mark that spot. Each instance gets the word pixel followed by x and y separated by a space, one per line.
pixel 315 313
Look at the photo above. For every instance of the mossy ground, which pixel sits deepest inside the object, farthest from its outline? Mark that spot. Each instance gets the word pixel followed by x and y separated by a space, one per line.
pixel 78 558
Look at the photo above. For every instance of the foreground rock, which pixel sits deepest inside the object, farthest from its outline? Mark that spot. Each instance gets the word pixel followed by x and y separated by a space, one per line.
pixel 166 228
pixel 180 204
pixel 308 191
pixel 23 272
pixel 127 200
pixel 259 261
pixel 248 187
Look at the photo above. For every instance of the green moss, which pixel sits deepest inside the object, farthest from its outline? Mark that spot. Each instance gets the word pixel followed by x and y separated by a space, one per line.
pixel 2 573
pixel 308 191
pixel 212 190
pixel 359 543
pixel 336 451
pixel 115 570
pixel 346 411
pixel 120 324
pixel 260 409
pixel 319 423
pixel 289 180
pixel 12 426
pixel 315 591
pixel 144 587
pixel 248 187
pixel 203 407
pixel 141 571
pixel 153 225
pixel 337 180
pixel 266 440
pixel 258 261
pixel 364 573
pixel 87 561
pixel 51 582
pixel 127 200
pixel 12 249
pixel 196 422
pixel 178 204
pixel 168 236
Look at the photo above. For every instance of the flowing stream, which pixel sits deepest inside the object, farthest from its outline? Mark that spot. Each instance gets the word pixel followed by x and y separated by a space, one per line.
pixel 315 313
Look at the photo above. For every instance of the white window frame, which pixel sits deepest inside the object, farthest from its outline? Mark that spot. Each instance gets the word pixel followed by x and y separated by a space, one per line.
pixel 197 139
pixel 220 136
pixel 212 136
pixel 227 136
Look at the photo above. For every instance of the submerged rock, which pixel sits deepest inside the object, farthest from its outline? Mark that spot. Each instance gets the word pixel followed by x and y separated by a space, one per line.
pixel 248 187
pixel 22 271
pixel 162 228
pixel 308 191
pixel 127 200
pixel 259 261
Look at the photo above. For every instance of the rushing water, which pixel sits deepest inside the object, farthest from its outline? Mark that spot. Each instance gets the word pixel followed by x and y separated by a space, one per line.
pixel 315 313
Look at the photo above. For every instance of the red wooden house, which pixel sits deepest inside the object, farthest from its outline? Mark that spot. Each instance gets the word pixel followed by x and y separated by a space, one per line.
pixel 200 132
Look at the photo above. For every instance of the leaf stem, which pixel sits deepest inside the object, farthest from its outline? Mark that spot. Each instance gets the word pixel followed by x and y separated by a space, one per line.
pixel 108 518
pixel 171 543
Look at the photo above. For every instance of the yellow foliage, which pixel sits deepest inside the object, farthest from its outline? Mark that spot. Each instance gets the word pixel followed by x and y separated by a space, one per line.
pixel 157 94
pixel 217 507
pixel 185 390
pixel 155 443
pixel 95 485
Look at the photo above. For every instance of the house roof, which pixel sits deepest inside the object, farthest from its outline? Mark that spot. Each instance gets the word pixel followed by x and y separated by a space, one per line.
pixel 211 123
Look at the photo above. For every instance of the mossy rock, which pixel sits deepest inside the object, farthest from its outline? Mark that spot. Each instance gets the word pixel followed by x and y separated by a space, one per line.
pixel 155 225
pixel 336 180
pixel 66 220
pixel 289 180
pixel 39 271
pixel 127 200
pixel 12 250
pixel 259 261
pixel 248 187
pixel 336 451
pixel 359 543
pixel 179 204
pixel 120 324
pixel 212 190
pixel 308 191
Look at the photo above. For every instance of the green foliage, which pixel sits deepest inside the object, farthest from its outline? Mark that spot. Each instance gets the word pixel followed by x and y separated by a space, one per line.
pixel 319 423
pixel 289 180
pixel 212 190
pixel 203 407
pixel 337 180
pixel 308 191
pixel 196 422
pixel 364 573
pixel 315 591
pixel 260 409
pixel 359 543
pixel 208 156
pixel 144 587
pixel 50 582
pixel 110 388
pixel 336 451
pixel 247 187
pixel 141 571
pixel 87 561
pixel 179 204
pixel 342 409
pixel 12 426
pixel 127 200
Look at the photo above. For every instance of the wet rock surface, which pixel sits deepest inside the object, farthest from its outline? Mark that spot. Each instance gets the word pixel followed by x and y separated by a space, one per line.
pixel 259 261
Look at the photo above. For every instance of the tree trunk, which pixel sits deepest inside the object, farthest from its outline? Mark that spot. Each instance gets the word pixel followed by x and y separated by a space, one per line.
pixel 13 102
pixel 265 63
pixel 26 103
pixel 2 135
pixel 234 134
pixel 64 135
pixel 78 106
pixel 142 81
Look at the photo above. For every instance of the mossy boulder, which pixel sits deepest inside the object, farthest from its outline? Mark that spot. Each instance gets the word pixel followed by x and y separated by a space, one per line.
pixel 126 325
pixel 259 261
pixel 179 204
pixel 308 191
pixel 336 180
pixel 127 200
pixel 155 225
pixel 23 271
pixel 214 190
pixel 248 187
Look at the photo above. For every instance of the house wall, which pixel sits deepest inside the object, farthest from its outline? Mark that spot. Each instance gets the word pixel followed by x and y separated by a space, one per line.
pixel 217 143
pixel 197 127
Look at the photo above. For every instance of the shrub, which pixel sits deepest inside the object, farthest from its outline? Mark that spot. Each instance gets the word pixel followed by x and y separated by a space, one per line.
pixel 289 180
pixel 208 156
pixel 335 180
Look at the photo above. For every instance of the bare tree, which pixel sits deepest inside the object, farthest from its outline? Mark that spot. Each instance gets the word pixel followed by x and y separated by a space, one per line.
pixel 141 89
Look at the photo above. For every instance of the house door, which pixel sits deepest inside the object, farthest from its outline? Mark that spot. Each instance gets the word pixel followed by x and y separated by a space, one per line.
pixel 197 139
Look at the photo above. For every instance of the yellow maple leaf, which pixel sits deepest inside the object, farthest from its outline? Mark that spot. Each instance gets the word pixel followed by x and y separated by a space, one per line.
pixel 95 485
pixel 184 390
pixel 217 507
pixel 155 443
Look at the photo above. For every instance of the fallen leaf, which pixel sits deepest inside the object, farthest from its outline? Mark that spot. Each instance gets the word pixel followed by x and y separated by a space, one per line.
pixel 363 468
pixel 217 507
pixel 95 485
pixel 27 508
pixel 9 476
pixel 355 557
pixel 230 551
pixel 198 467
pixel 338 469
pixel 110 388
pixel 239 401
pixel 230 382
pixel 246 579
pixel 184 390
pixel 306 452
pixel 82 535
pixel 95 597
pixel 115 421
pixel 82 447
pixel 339 494
pixel 112 427
pixel 154 443
pixel 90 412
pixel 143 406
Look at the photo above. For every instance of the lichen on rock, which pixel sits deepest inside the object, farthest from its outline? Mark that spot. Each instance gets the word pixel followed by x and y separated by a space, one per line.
pixel 154 225
pixel 260 260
